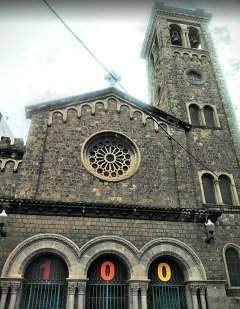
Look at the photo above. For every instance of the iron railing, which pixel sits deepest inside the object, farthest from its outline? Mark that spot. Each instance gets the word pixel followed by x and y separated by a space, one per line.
pixel 50 295
pixel 166 296
pixel 107 296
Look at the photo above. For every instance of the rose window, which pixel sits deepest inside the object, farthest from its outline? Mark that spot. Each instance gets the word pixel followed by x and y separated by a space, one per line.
pixel 110 156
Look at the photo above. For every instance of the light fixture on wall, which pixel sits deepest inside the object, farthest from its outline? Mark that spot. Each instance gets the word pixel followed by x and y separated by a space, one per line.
pixel 210 229
pixel 3 221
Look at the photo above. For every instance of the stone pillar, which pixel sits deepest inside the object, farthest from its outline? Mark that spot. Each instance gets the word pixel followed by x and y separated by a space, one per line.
pixel 15 287
pixel 133 295
pixel 194 288
pixel 71 294
pixel 144 288
pixel 203 297
pixel 81 294
pixel 4 288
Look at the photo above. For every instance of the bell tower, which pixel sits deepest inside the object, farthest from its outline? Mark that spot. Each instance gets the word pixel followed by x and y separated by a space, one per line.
pixel 183 74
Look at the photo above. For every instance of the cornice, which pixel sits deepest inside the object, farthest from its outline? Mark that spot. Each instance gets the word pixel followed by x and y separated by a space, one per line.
pixel 108 210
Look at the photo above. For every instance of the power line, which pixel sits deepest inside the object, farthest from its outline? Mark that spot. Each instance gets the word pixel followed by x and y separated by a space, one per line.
pixel 188 152
pixel 112 75
pixel 83 44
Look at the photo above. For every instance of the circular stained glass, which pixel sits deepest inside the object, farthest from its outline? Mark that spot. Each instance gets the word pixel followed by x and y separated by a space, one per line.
pixel 110 156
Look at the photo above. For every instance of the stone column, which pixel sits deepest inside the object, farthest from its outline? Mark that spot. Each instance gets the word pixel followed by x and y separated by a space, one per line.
pixel 4 288
pixel 194 289
pixel 71 294
pixel 203 297
pixel 81 294
pixel 133 295
pixel 144 288
pixel 15 287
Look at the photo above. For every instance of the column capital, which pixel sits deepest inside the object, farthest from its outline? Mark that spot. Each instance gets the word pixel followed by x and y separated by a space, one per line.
pixel 134 287
pixel 15 286
pixel 72 287
pixel 144 287
pixel 193 288
pixel 4 285
pixel 82 287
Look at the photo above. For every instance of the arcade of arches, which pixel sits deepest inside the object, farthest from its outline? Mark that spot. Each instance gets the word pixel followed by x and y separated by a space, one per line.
pixel 51 271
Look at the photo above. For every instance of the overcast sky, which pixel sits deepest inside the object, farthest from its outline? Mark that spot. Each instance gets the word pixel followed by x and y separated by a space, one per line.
pixel 41 61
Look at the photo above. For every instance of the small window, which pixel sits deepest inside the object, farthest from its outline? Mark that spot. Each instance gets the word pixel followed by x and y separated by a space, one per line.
pixel 194 115
pixel 194 76
pixel 225 188
pixel 208 189
pixel 175 34
pixel 209 116
pixel 194 38
pixel 156 42
pixel 233 266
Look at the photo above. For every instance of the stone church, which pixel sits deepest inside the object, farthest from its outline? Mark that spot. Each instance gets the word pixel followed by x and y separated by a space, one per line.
pixel 116 204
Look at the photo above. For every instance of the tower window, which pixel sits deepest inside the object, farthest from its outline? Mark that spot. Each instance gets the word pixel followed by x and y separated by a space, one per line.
pixel 209 116
pixel 208 188
pixel 233 266
pixel 225 188
pixel 194 76
pixel 176 35
pixel 194 115
pixel 194 38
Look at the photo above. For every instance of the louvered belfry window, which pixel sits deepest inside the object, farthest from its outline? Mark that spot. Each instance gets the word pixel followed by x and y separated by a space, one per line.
pixel 208 188
pixel 166 287
pixel 107 287
pixel 45 285
pixel 233 265
pixel 225 188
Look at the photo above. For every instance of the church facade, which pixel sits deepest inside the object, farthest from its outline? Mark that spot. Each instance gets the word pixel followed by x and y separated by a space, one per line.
pixel 116 204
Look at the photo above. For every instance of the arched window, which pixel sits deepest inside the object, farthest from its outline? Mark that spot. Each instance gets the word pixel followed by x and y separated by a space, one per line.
pixel 45 283
pixel 233 265
pixel 225 188
pixel 194 115
pixel 176 35
pixel 194 38
pixel 209 116
pixel 107 286
pixel 208 188
pixel 166 287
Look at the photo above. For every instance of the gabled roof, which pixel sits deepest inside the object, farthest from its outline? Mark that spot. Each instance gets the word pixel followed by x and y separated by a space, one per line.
pixel 101 94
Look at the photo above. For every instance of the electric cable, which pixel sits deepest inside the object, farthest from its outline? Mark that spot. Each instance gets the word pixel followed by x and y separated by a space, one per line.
pixel 84 45
pixel 112 75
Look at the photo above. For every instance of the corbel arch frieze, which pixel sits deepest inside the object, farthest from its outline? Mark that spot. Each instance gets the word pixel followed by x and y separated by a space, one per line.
pixel 119 105
pixel 4 162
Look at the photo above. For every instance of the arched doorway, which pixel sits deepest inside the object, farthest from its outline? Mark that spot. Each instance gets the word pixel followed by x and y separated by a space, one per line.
pixel 45 285
pixel 166 287
pixel 107 287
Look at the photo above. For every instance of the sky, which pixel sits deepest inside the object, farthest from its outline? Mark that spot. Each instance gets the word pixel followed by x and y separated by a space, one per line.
pixel 41 61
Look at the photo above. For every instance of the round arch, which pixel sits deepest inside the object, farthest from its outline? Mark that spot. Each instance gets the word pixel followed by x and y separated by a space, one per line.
pixel 21 256
pixel 120 247
pixel 192 266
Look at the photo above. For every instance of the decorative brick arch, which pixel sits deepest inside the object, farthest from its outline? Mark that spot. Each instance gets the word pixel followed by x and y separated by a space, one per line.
pixel 20 257
pixel 192 266
pixel 118 246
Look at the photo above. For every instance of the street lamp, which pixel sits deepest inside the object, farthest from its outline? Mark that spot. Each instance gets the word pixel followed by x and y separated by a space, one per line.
pixel 3 220
pixel 210 228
